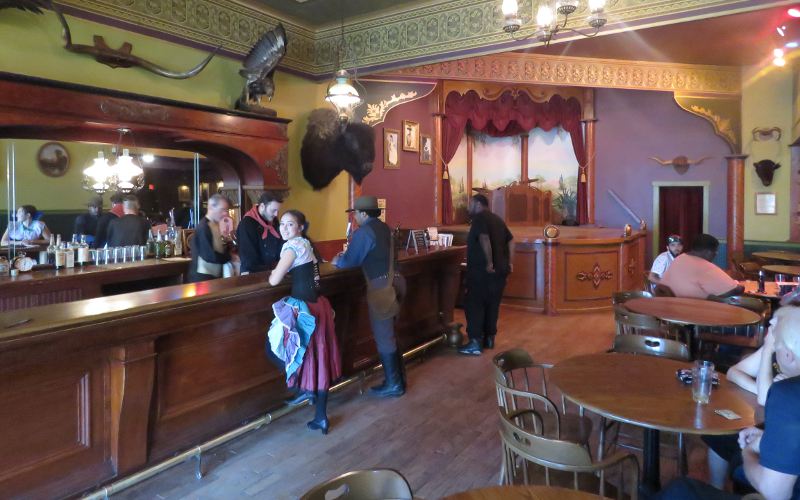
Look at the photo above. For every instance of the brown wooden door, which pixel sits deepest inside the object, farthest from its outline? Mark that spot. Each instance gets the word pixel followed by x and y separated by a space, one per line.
pixel 680 211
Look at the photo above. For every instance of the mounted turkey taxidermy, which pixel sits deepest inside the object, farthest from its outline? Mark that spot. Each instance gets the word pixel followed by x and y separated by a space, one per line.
pixel 329 147
pixel 258 69
pixel 681 163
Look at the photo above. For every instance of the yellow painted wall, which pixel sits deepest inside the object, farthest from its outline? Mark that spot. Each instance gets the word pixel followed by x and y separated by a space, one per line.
pixel 32 45
pixel 767 102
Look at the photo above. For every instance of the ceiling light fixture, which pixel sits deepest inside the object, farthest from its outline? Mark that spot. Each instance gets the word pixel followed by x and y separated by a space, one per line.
pixel 794 12
pixel 341 92
pixel 121 175
pixel 548 23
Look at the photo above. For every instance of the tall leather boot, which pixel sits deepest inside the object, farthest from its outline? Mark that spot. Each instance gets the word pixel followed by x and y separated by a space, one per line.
pixel 393 386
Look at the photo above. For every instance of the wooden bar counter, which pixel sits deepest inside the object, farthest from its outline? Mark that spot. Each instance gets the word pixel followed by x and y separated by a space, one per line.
pixel 48 286
pixel 93 390
pixel 577 271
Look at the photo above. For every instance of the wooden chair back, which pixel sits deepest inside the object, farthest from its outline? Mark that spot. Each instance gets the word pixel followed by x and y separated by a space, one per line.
pixel 651 346
pixel 631 323
pixel 622 297
pixel 556 454
pixel 374 484
pixel 648 284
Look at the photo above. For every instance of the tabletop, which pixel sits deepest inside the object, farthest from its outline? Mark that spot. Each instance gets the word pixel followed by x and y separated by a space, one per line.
pixel 645 391
pixel 523 492
pixel 778 255
pixel 776 269
pixel 693 311
pixel 770 289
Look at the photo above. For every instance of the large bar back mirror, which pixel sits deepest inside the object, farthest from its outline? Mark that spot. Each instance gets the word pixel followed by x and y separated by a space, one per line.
pixel 49 175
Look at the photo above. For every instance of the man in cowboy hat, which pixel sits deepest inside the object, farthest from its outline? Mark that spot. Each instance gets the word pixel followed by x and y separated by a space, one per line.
pixel 371 248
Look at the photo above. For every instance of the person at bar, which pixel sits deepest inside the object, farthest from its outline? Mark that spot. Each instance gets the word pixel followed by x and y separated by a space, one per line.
pixel 694 274
pixel 490 252
pixel 258 242
pixel 25 229
pixel 131 228
pixel 665 259
pixel 86 223
pixel 770 457
pixel 105 219
pixel 302 338
pixel 209 248
pixel 371 249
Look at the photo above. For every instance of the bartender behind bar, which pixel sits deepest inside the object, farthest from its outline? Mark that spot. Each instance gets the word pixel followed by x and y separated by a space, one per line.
pixel 86 223
pixel 131 228
pixel 258 240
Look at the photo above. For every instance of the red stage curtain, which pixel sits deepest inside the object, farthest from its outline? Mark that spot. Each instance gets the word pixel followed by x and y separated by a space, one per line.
pixel 506 116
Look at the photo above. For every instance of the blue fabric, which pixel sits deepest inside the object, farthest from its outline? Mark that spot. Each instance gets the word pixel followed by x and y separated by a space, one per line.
pixel 780 444
pixel 290 333
pixel 362 243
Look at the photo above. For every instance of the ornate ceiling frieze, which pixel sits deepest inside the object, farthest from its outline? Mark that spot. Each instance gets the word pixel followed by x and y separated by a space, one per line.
pixel 432 31
pixel 584 72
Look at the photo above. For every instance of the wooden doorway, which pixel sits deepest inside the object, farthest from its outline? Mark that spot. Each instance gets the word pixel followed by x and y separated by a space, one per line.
pixel 679 208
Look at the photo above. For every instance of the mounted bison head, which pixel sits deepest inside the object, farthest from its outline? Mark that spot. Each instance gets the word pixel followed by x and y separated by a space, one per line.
pixel 766 170
pixel 330 147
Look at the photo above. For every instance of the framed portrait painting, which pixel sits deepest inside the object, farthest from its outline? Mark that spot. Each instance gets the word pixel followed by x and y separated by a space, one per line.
pixel 426 149
pixel 391 148
pixel 410 136
pixel 53 159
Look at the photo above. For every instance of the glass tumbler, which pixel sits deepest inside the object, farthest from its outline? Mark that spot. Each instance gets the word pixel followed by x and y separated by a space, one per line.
pixel 702 379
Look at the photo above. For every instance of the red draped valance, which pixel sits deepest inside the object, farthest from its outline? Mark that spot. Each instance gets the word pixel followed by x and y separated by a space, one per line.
pixel 506 116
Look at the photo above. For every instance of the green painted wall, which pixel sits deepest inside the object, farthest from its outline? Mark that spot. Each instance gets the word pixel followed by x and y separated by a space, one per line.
pixel 767 102
pixel 32 45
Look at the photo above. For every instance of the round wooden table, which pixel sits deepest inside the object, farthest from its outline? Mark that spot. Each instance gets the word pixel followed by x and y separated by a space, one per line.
pixel 770 289
pixel 776 269
pixel 696 312
pixel 778 256
pixel 523 492
pixel 644 391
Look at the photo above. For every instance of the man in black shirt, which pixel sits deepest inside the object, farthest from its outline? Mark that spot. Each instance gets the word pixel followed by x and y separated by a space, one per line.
pixel 87 223
pixel 489 255
pixel 131 228
pixel 257 238
pixel 105 219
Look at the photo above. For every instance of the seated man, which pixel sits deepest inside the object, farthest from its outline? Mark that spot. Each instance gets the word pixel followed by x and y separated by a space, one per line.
pixel 665 259
pixel 86 223
pixel 693 274
pixel 131 228
pixel 771 457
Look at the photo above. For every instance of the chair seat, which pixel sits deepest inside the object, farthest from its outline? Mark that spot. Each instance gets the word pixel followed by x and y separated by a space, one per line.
pixel 576 428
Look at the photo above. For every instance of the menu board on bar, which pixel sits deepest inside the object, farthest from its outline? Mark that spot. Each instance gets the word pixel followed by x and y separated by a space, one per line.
pixel 416 240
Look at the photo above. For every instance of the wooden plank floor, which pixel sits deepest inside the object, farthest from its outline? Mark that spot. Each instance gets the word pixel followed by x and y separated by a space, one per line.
pixel 442 435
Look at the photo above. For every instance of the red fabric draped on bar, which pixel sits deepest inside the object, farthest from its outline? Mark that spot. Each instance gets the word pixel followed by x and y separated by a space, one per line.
pixel 507 116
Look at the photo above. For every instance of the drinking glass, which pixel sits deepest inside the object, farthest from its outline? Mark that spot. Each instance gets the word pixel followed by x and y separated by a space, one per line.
pixel 119 253
pixel 107 254
pixel 702 377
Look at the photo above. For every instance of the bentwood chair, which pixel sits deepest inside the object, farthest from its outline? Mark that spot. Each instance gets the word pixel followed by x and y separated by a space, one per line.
pixel 631 323
pixel 648 346
pixel 523 448
pixel 374 484
pixel 748 337
pixel 662 290
pixel 622 297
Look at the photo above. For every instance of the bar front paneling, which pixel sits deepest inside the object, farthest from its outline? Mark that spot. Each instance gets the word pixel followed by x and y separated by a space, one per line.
pixel 96 389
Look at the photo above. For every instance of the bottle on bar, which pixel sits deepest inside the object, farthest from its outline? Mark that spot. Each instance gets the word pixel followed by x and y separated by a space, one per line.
pixel 169 247
pixel 151 244
pixel 83 252
pixel 178 252
pixel 159 246
pixel 60 255
pixel 69 256
pixel 51 250
pixel 73 246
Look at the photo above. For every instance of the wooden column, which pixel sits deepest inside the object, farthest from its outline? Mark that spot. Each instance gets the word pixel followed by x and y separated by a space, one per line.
pixel 524 160
pixel 550 285
pixel 438 163
pixel 132 378
pixel 590 169
pixel 735 235
pixel 470 146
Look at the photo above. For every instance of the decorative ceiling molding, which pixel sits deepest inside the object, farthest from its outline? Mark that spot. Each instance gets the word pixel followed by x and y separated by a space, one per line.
pixel 585 72
pixel 434 31
pixel 724 114
pixel 492 91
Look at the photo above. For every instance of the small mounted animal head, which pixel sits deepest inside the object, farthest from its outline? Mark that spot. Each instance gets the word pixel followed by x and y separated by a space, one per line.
pixel 765 169
pixel 681 163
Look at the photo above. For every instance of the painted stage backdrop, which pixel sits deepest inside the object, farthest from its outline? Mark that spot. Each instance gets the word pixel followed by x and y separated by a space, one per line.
pixel 497 161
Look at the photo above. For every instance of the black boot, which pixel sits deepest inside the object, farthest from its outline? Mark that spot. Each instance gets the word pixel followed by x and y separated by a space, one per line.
pixel 488 342
pixel 320 422
pixel 393 386
pixel 300 398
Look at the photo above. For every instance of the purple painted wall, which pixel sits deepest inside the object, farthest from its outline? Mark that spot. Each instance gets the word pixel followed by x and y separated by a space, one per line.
pixel 409 190
pixel 633 125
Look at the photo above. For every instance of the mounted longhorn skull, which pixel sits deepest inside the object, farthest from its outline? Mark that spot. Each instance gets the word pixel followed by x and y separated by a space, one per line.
pixel 681 163
pixel 765 169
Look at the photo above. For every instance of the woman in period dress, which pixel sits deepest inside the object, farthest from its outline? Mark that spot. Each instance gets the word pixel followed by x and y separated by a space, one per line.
pixel 302 336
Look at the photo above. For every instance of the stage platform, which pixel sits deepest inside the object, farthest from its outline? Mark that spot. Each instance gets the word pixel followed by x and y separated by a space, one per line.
pixel 577 271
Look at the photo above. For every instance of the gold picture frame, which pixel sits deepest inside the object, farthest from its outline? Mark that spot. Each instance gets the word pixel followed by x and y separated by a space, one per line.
pixel 410 136
pixel 425 149
pixel 391 149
